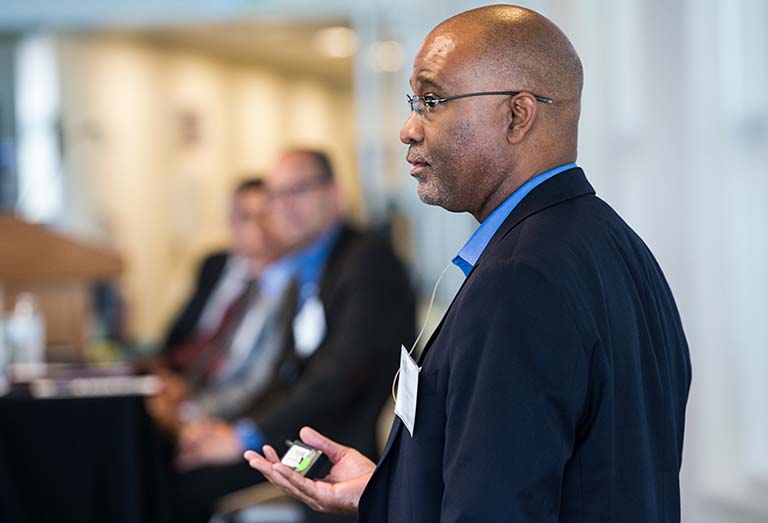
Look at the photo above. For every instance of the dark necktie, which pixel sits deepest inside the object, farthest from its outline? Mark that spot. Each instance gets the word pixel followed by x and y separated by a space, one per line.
pixel 201 356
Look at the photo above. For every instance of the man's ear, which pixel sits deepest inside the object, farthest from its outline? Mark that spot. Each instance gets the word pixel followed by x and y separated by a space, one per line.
pixel 523 110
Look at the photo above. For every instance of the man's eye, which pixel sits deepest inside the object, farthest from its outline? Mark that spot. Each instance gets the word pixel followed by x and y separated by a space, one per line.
pixel 430 101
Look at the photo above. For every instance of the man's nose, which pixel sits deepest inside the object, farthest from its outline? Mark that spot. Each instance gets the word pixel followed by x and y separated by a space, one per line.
pixel 412 130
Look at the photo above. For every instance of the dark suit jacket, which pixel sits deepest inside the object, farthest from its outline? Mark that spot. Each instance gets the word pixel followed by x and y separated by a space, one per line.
pixel 208 276
pixel 341 388
pixel 555 388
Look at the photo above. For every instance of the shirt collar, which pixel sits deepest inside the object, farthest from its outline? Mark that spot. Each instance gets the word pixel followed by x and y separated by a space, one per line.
pixel 320 247
pixel 311 261
pixel 238 267
pixel 470 253
pixel 276 276
pixel 305 265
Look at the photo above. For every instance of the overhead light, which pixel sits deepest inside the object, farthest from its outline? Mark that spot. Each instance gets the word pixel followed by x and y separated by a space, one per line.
pixel 387 56
pixel 335 42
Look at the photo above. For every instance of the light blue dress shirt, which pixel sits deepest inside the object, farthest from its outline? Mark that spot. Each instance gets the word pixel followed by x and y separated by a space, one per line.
pixel 470 253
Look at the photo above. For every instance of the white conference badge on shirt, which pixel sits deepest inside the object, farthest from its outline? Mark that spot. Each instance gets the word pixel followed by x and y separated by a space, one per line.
pixel 407 390
pixel 309 327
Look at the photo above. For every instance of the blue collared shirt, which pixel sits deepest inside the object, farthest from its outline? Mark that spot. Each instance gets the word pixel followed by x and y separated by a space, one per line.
pixel 275 278
pixel 470 253
pixel 306 265
pixel 310 262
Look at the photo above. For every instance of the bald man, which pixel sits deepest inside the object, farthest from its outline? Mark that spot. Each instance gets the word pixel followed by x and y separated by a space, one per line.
pixel 554 390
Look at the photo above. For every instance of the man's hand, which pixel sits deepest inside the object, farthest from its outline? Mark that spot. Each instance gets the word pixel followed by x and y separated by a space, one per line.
pixel 207 442
pixel 164 406
pixel 339 492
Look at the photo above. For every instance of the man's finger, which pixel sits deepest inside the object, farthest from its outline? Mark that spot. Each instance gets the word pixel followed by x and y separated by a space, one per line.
pixel 260 463
pixel 271 454
pixel 256 461
pixel 333 450
pixel 285 478
pixel 269 472
pixel 297 486
pixel 306 486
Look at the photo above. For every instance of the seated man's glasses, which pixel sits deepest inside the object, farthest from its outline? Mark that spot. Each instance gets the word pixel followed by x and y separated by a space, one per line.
pixel 299 188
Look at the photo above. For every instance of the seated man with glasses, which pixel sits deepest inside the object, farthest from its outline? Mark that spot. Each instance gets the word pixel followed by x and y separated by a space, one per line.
pixel 351 309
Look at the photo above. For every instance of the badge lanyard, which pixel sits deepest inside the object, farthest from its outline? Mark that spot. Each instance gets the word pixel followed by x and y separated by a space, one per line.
pixel 423 328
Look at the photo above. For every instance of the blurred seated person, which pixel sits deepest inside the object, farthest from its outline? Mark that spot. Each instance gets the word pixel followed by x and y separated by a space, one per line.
pixel 224 275
pixel 352 310
pixel 214 357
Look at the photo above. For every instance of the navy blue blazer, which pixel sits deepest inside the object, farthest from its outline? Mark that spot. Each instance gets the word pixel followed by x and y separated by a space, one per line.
pixel 554 389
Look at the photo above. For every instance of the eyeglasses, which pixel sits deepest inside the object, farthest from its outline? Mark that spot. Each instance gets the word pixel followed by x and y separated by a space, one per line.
pixel 422 105
pixel 241 216
pixel 299 188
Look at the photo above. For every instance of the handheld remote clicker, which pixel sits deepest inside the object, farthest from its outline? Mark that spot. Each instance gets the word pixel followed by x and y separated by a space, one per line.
pixel 307 461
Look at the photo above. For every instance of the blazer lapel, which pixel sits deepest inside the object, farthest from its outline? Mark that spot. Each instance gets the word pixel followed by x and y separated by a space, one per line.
pixel 565 186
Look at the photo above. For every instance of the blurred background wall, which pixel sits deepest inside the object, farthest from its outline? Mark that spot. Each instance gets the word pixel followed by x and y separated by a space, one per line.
pixel 151 139
pixel 133 119
pixel 156 138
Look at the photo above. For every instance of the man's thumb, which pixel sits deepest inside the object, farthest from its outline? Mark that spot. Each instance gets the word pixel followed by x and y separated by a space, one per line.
pixel 333 450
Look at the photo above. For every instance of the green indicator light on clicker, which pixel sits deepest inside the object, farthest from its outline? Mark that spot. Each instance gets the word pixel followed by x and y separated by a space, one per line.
pixel 304 463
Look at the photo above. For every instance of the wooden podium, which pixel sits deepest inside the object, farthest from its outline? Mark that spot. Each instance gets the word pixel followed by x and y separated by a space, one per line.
pixel 60 272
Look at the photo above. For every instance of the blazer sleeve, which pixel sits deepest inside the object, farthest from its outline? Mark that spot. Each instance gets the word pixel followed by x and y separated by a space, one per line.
pixel 517 386
pixel 369 314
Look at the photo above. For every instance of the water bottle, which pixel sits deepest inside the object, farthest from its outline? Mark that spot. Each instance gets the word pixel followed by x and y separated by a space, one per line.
pixel 26 336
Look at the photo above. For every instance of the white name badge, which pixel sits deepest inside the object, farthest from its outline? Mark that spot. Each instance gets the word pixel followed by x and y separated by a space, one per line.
pixel 407 390
pixel 309 327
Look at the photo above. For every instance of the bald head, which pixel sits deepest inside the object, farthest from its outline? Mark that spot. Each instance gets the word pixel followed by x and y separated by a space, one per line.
pixel 525 51
pixel 522 48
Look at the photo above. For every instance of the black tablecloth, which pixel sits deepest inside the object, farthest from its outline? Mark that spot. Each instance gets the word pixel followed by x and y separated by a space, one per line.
pixel 81 460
